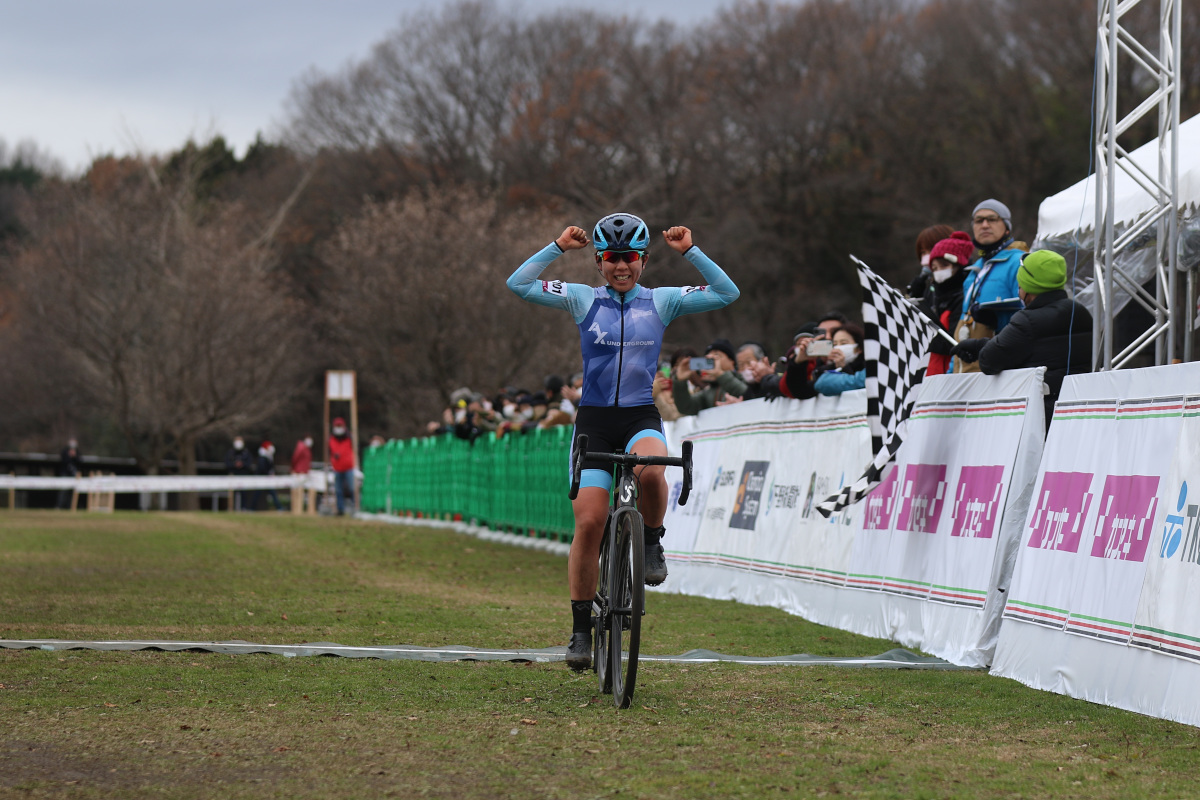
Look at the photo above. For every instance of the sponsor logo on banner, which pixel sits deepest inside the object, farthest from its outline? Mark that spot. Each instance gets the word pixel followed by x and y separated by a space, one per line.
pixel 725 477
pixel 881 503
pixel 977 502
pixel 781 495
pixel 1182 528
pixel 1062 506
pixel 1127 509
pixel 923 494
pixel 749 495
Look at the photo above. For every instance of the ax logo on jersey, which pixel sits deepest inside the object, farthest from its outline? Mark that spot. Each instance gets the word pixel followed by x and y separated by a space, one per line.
pixel 599 333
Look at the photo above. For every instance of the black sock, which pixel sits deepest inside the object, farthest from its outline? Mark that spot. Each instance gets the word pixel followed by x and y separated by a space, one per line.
pixel 581 616
pixel 653 535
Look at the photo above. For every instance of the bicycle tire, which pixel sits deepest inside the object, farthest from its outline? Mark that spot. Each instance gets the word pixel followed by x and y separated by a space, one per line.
pixel 600 617
pixel 627 600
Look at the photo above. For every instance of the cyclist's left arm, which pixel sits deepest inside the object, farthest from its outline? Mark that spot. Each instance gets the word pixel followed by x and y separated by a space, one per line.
pixel 673 302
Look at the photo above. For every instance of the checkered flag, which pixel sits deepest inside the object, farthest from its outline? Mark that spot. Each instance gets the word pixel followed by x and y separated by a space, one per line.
pixel 897 352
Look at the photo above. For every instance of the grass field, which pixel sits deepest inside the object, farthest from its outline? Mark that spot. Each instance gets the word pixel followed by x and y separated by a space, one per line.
pixel 90 724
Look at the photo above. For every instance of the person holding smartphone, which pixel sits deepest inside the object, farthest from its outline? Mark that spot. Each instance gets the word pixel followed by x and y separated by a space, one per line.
pixel 717 370
pixel 811 351
pixel 621 326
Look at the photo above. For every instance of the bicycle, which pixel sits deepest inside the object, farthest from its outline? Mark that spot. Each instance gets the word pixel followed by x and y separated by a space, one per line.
pixel 620 601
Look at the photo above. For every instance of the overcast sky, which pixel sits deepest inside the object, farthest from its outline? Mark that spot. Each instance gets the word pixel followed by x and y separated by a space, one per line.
pixel 88 77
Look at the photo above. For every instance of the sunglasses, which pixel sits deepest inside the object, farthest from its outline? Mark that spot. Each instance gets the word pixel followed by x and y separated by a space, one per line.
pixel 628 256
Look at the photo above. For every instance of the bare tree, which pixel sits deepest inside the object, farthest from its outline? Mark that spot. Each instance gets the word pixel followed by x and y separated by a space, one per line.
pixel 419 300
pixel 171 308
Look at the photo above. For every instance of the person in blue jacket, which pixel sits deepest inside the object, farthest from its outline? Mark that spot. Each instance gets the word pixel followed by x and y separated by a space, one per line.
pixel 849 367
pixel 993 277
pixel 621 326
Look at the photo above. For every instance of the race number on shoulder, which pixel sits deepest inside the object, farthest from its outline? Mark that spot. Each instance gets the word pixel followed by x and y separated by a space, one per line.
pixel 555 287
pixel 689 289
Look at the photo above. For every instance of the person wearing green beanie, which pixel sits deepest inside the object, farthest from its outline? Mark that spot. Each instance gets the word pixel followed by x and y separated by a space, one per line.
pixel 1051 331
pixel 1042 271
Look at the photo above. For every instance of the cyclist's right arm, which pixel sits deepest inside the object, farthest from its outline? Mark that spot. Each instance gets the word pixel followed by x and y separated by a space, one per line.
pixel 574 297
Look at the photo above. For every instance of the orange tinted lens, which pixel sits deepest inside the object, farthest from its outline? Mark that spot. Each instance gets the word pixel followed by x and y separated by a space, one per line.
pixel 628 256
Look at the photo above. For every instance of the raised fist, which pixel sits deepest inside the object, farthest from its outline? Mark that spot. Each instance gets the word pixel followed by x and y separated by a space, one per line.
pixel 679 238
pixel 573 238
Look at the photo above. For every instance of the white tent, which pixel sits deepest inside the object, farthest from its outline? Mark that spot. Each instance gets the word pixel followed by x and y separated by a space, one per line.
pixel 1066 220
pixel 1073 210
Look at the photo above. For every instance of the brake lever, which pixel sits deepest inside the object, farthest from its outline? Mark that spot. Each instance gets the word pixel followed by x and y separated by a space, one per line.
pixel 581 444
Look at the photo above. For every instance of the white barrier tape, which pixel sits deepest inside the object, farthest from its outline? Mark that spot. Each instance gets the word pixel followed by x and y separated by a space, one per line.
pixel 127 484
pixel 892 659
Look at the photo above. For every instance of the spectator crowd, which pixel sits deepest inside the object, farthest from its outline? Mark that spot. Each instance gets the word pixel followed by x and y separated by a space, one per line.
pixel 997 306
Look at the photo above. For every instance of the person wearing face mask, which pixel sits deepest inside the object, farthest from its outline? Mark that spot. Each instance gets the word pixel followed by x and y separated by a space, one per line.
pixel 926 239
pixel 849 368
pixel 341 461
pixel 943 301
pixel 239 461
pixel 753 367
pixel 302 456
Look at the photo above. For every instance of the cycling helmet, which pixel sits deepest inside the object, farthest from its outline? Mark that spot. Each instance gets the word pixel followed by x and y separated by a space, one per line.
pixel 621 232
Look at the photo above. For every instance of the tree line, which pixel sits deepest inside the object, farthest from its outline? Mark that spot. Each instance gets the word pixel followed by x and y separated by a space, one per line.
pixel 156 304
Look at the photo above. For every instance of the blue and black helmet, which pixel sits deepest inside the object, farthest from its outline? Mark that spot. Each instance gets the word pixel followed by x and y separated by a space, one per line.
pixel 621 232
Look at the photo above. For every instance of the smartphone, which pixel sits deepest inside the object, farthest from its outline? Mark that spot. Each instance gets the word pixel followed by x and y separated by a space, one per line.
pixel 820 347
pixel 701 364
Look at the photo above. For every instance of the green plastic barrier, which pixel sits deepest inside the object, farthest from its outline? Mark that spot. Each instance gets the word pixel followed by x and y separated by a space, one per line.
pixel 516 482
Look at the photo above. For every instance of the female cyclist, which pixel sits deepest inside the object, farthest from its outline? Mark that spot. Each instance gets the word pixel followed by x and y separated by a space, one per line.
pixel 621 328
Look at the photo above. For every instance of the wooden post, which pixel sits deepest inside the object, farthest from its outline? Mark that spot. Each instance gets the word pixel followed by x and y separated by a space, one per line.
pixel 297 500
pixel 231 500
pixel 12 494
pixel 75 498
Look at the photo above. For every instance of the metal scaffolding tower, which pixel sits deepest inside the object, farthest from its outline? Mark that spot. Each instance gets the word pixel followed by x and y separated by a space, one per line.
pixel 1117 47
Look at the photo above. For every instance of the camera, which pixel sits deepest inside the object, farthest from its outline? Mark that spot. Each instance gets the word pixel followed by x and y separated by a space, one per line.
pixel 700 364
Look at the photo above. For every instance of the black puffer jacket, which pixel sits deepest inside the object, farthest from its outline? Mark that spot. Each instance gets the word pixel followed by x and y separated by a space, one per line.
pixel 1041 335
pixel 940 298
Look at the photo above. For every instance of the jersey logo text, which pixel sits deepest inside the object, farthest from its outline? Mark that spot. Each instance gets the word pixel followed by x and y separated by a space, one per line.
pixel 555 287
pixel 689 289
pixel 599 333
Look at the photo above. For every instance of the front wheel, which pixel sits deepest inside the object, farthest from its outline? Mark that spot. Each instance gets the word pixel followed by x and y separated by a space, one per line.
pixel 627 601
pixel 600 618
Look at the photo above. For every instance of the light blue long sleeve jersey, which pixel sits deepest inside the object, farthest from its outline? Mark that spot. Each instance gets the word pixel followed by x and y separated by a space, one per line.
pixel 621 334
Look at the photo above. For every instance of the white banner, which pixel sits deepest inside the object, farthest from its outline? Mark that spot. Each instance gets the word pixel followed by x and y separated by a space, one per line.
pixel 1166 618
pixel 923 560
pixel 758 468
pixel 941 529
pixel 1095 573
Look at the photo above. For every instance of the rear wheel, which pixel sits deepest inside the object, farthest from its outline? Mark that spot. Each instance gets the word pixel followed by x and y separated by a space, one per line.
pixel 627 599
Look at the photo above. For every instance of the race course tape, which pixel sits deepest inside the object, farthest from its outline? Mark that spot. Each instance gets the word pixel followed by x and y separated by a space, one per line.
pixel 892 659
